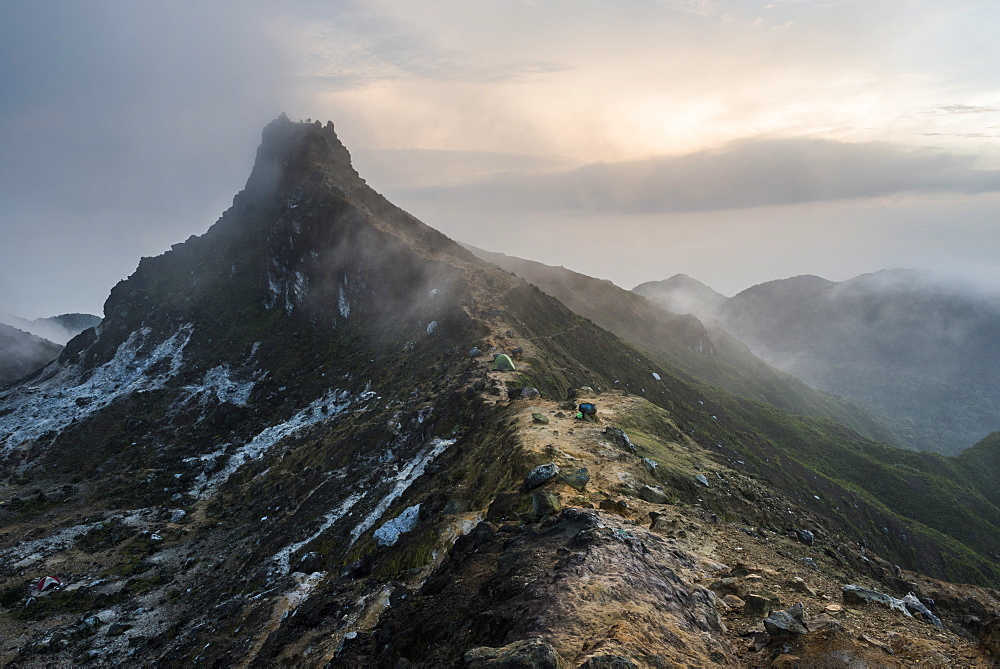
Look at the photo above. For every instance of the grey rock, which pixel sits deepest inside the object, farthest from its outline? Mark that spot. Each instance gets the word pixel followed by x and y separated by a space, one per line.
pixel 177 515
pixel 619 438
pixel 432 327
pixel 544 503
pixel 650 464
pixel 528 393
pixel 855 594
pixel 805 537
pixel 756 606
pixel 533 653
pixel 576 478
pixel 786 624
pixel 116 629
pixel 700 478
pixel 726 586
pixel 914 605
pixel 609 662
pixel 474 352
pixel 540 475
pixel 541 419
pixel 799 585
pixel 653 494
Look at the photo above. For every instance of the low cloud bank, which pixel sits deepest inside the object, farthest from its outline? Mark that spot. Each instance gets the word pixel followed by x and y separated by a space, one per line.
pixel 743 174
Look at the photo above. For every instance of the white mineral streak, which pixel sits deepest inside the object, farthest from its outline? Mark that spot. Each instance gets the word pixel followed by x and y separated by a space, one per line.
pixel 31 552
pixel 329 405
pixel 283 557
pixel 401 481
pixel 388 534
pixel 68 393
pixel 218 383
pixel 342 303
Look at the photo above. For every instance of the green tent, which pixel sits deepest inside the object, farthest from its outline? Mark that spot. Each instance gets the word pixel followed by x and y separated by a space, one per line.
pixel 503 363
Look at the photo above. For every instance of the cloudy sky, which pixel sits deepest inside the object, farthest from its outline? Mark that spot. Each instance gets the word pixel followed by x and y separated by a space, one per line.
pixel 734 141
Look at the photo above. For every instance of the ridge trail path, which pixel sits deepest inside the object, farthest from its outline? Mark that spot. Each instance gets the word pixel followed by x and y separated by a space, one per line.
pixel 753 561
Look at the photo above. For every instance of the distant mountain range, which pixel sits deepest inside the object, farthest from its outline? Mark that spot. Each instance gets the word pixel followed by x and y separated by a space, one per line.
pixel 698 347
pixel 21 353
pixel 919 352
pixel 59 329
pixel 28 345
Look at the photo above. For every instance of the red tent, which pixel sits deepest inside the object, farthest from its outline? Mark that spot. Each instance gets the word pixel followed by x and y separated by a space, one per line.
pixel 48 582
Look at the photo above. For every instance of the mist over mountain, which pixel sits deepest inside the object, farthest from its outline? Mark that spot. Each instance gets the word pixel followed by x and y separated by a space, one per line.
pixel 22 353
pixel 59 329
pixel 289 443
pixel 698 348
pixel 919 351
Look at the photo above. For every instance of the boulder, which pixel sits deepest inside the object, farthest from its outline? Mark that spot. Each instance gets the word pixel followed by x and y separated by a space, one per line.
pixel 544 503
pixel 539 418
pixel 619 438
pixel 177 515
pixel 800 585
pixel 432 327
pixel 474 352
pixel 806 537
pixel 701 480
pixel 786 624
pixel 734 602
pixel 609 662
pixel 855 594
pixel 576 478
pixel 540 475
pixel 528 393
pixel 653 494
pixel 757 606
pixel 533 653
pixel 914 605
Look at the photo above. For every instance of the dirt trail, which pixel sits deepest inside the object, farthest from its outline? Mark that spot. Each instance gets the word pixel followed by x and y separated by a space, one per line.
pixel 752 561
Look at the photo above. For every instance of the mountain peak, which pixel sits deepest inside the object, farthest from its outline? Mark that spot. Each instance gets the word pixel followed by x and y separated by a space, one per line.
pixel 682 294
pixel 293 154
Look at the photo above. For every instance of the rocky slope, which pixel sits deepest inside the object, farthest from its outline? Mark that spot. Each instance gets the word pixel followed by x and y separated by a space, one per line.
pixel 918 352
pixel 285 445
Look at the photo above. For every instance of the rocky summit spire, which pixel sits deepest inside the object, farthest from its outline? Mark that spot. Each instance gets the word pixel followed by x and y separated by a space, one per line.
pixel 293 154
